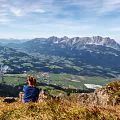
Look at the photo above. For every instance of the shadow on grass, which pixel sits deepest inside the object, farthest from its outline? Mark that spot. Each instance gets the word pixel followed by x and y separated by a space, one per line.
pixel 8 90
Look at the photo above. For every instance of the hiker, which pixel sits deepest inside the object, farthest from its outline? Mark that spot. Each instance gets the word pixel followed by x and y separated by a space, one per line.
pixel 30 92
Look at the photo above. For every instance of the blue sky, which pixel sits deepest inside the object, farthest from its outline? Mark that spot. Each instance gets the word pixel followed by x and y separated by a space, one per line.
pixel 44 18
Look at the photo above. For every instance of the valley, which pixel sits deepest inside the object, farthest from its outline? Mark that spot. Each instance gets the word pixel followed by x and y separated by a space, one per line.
pixel 94 56
pixel 60 63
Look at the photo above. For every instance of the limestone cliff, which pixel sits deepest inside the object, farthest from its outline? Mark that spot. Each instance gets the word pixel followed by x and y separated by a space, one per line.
pixel 107 95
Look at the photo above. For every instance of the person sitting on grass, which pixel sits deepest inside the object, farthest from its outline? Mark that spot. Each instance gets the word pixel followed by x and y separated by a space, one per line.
pixel 30 92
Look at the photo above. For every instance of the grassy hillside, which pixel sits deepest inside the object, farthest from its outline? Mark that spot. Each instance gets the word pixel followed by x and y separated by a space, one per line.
pixel 65 108
pixel 57 110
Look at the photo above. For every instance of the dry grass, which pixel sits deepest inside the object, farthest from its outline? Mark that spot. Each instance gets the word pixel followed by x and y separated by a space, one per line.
pixel 65 109
pixel 57 110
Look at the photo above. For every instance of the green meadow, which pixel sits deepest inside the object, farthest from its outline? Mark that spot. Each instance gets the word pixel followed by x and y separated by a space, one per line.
pixel 63 80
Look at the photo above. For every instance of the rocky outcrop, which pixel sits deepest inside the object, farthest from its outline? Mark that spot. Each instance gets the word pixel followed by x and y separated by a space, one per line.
pixel 108 95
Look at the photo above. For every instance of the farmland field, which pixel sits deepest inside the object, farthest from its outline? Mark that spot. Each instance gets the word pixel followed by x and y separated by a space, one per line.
pixel 63 80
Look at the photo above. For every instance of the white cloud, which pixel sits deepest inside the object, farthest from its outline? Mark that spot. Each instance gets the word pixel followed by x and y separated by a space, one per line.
pixel 115 29
pixel 16 11
pixel 97 6
pixel 22 11
pixel 39 11
pixel 5 20
pixel 20 8
pixel 24 7
pixel 58 17
pixel 110 6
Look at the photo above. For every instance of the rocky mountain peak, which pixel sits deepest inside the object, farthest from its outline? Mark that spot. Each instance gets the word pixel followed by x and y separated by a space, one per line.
pixel 65 38
pixel 78 42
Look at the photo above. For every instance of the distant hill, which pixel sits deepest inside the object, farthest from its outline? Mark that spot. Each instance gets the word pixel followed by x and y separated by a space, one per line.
pixel 11 40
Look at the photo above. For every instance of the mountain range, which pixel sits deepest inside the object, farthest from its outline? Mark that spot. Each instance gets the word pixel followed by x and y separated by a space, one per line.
pixel 77 42
pixel 81 55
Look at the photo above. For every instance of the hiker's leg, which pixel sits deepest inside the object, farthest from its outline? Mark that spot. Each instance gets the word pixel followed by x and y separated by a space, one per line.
pixel 21 95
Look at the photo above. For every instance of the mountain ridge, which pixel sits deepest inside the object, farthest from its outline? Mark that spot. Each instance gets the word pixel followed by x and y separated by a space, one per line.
pixel 95 40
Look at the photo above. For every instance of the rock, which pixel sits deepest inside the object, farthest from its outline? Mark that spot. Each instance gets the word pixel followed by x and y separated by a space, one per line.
pixel 9 99
pixel 107 95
